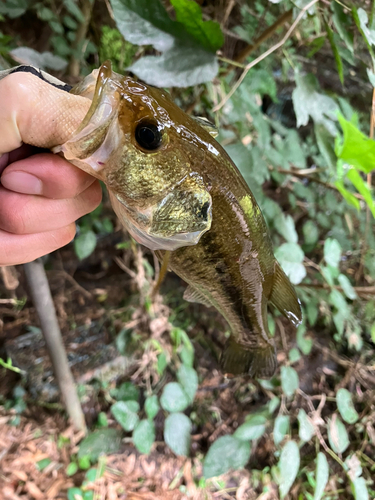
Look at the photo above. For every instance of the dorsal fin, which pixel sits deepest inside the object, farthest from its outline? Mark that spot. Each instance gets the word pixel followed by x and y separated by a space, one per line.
pixel 192 295
pixel 207 125
pixel 283 296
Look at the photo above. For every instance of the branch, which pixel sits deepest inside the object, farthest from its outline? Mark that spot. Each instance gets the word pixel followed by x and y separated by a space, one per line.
pixel 264 55
pixel 305 175
pixel 74 63
pixel 267 33
pixel 41 296
pixel 361 290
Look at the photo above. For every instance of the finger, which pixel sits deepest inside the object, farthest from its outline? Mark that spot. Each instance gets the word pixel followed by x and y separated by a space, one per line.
pixel 24 214
pixel 47 175
pixel 35 112
pixel 22 152
pixel 18 249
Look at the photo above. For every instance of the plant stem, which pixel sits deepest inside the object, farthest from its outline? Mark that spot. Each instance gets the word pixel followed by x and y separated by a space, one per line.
pixel 42 298
pixel 75 62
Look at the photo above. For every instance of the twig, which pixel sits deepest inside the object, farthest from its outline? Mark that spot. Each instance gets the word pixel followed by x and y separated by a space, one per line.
pixel 304 175
pixel 76 285
pixel 267 33
pixel 41 295
pixel 74 63
pixel 360 290
pixel 264 55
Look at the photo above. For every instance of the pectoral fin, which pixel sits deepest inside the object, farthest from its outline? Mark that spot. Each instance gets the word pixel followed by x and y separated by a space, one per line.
pixel 283 296
pixel 192 295
pixel 257 363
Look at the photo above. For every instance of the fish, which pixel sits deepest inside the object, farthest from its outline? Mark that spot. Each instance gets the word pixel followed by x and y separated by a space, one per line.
pixel 176 191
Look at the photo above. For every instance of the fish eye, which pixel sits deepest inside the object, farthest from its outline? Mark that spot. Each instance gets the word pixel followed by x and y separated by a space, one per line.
pixel 148 135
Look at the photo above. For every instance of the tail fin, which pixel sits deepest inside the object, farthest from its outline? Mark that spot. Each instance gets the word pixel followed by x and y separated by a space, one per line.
pixel 257 363
pixel 283 296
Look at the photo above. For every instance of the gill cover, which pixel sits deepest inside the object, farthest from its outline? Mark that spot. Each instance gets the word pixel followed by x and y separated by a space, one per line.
pixel 172 219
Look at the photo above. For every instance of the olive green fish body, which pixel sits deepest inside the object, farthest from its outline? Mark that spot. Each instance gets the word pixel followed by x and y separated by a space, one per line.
pixel 175 188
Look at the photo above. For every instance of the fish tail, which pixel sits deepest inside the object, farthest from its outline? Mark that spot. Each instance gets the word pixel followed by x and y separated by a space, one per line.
pixel 257 362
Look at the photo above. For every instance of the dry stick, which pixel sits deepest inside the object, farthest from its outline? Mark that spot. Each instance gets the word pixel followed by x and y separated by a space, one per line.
pixel 302 175
pixel 267 33
pixel 264 55
pixel 74 63
pixel 41 296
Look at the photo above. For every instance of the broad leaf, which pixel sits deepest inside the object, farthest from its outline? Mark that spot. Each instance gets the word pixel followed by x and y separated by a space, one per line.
pixel 290 256
pixel 360 489
pixel 174 398
pixel 280 428
pixel 306 428
pixel 207 33
pixel 252 429
pixel 125 412
pixel 144 436
pixel 177 429
pixel 308 102
pixel 337 435
pixel 362 188
pixel 289 380
pixel 346 407
pixel 356 148
pixel 332 252
pixel 183 61
pixel 105 441
pixel 85 244
pixel 226 453
pixel 44 60
pixel 342 24
pixel 188 378
pixel 152 406
pixel 347 287
pixel 321 475
pixel 288 466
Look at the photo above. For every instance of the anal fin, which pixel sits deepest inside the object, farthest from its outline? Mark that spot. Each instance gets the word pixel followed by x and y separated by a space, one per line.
pixel 283 296
pixel 193 295
pixel 257 362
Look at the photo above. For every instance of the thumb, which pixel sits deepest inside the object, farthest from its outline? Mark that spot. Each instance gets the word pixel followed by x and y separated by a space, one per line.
pixel 37 113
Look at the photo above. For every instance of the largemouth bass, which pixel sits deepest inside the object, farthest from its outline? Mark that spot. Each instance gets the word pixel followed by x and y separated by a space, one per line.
pixel 175 189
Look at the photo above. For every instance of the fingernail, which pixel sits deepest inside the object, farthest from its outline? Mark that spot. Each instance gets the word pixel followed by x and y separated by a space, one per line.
pixel 22 182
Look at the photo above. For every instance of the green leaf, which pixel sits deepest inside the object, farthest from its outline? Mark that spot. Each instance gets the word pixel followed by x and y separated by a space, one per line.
pixel 332 252
pixel 286 227
pixel 188 378
pixel 356 149
pixel 290 256
pixel 337 435
pixel 178 67
pixel 226 453
pixel 75 494
pixel 342 24
pixel 325 143
pixel 308 102
pixel 306 428
pixel 125 412
pixel 182 63
pixel 335 51
pixel 42 464
pixel 346 407
pixel 367 32
pixel 289 380
pixel 85 244
pixel 304 343
pixel 126 392
pixel 207 33
pixel 104 441
pixel 44 60
pixel 73 9
pixel 294 355
pixel 321 475
pixel 362 188
pixel 152 406
pixel 280 428
pixel 347 195
pixel 347 287
pixel 144 436
pixel 177 429
pixel 360 489
pixel 288 466
pixel 174 398
pixel 252 429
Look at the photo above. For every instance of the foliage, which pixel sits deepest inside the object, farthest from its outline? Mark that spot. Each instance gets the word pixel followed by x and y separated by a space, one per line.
pixel 308 159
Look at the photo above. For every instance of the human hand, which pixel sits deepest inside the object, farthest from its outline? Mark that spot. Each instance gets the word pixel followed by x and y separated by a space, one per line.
pixel 41 195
